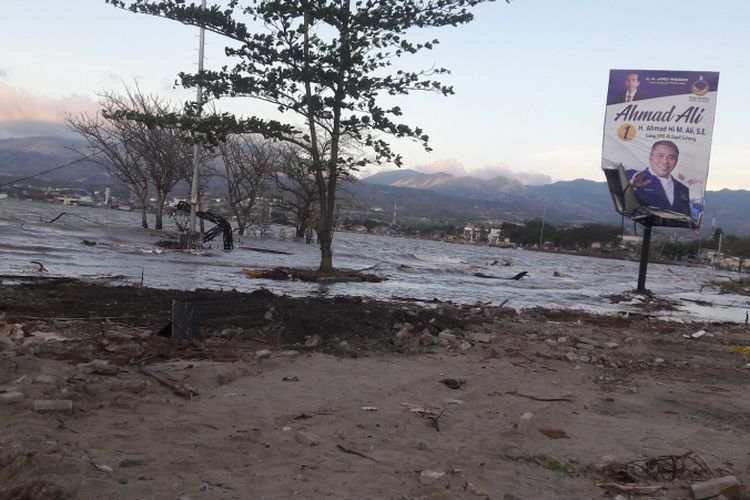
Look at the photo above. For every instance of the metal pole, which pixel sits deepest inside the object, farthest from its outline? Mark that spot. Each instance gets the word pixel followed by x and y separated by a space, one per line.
pixel 197 147
pixel 644 259
pixel 541 231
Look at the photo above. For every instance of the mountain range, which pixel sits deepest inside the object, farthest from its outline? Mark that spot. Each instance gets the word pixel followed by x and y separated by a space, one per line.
pixel 437 197
pixel 565 202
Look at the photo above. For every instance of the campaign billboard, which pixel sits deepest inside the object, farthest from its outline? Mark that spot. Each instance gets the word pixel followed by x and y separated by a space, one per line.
pixel 657 143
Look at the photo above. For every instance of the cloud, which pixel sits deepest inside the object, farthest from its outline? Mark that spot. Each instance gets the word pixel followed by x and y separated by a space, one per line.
pixel 568 163
pixel 3 72
pixel 454 167
pixel 527 178
pixel 111 75
pixel 22 111
pixel 449 166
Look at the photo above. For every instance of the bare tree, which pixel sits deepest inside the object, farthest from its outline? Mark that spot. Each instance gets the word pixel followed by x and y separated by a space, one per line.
pixel 249 163
pixel 331 63
pixel 166 153
pixel 117 154
pixel 140 155
pixel 299 191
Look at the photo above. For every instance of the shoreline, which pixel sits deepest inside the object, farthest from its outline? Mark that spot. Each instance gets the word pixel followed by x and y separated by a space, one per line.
pixel 286 397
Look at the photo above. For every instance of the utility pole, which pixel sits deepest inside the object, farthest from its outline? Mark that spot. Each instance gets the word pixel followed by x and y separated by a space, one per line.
pixel 197 147
pixel 541 231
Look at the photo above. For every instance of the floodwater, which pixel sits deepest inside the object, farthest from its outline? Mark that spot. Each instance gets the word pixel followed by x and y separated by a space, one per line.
pixel 416 269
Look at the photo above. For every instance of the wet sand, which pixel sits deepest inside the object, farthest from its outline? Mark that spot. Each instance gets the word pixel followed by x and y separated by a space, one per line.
pixel 364 410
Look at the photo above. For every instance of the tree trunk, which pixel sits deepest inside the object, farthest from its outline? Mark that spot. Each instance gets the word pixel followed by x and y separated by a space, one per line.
pixel 326 253
pixel 144 212
pixel 325 238
pixel 161 198
pixel 299 232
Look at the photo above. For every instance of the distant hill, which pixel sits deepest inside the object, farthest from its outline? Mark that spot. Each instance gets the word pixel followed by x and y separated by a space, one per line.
pixel 576 201
pixel 468 187
pixel 30 155
pixel 438 197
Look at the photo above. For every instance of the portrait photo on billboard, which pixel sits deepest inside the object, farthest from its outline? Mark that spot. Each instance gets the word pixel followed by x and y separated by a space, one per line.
pixel 657 143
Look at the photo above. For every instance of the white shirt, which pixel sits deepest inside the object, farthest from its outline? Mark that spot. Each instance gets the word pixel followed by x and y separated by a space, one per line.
pixel 666 184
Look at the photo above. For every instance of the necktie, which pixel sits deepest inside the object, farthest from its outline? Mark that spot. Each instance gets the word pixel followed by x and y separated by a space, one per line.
pixel 629 98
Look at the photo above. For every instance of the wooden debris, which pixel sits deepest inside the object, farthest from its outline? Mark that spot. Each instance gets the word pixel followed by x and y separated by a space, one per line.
pixel 178 388
pixel 553 433
pixel 537 398
pixel 53 405
pixel 423 409
pixel 633 489
pixel 727 485
pixel 354 452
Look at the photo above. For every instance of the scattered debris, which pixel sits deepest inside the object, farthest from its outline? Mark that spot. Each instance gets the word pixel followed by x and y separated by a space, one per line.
pixel 690 466
pixel 313 341
pixel 432 414
pixel 312 275
pixel 553 433
pixel 262 354
pixel 53 406
pixel 101 467
pixel 307 438
pixel 452 383
pixel 474 490
pixel 632 488
pixel 178 388
pixel 524 422
pixel 354 452
pixel 728 486
pixel 696 335
pixel 222 226
pixel 290 379
pixel 11 397
pixel 535 398
pixel 430 476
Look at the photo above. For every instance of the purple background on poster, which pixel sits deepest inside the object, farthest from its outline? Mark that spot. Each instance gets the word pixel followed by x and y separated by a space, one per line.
pixel 650 83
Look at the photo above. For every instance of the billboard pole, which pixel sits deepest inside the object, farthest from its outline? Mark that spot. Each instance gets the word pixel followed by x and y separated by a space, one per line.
pixel 645 247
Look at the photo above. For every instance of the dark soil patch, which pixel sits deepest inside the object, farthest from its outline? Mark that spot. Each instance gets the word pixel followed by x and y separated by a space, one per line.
pixel 313 275
pixel 229 322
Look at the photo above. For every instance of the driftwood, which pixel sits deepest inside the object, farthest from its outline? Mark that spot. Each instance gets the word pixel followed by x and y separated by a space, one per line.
pixel 536 398
pixel 73 318
pixel 67 213
pixel 266 250
pixel 489 276
pixel 632 488
pixel 354 452
pixel 177 387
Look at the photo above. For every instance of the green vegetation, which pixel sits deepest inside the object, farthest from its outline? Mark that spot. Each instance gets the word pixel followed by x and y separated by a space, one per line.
pixel 537 232
pixel 327 67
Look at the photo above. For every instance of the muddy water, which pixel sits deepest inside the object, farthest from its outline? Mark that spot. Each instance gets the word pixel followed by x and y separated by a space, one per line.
pixel 414 268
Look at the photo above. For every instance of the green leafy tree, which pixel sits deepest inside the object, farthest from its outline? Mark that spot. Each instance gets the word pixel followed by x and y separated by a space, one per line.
pixel 327 61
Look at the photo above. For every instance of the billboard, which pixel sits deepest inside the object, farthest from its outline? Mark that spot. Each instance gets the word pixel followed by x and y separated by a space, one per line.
pixel 657 143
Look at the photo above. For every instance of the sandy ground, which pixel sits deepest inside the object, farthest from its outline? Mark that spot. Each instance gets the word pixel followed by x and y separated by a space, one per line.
pixel 369 418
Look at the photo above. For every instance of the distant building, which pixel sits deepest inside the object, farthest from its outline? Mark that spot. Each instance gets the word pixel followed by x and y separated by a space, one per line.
pixel 495 236
pixel 631 240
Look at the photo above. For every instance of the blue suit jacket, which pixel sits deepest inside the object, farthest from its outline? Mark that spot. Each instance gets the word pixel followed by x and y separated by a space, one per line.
pixel 653 195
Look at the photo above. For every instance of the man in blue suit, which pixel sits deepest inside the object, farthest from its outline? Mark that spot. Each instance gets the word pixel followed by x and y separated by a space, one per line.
pixel 655 186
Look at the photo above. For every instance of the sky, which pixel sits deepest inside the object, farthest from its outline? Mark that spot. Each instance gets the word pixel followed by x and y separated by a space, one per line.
pixel 530 77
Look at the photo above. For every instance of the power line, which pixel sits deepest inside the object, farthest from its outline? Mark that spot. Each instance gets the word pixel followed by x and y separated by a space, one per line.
pixel 51 169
